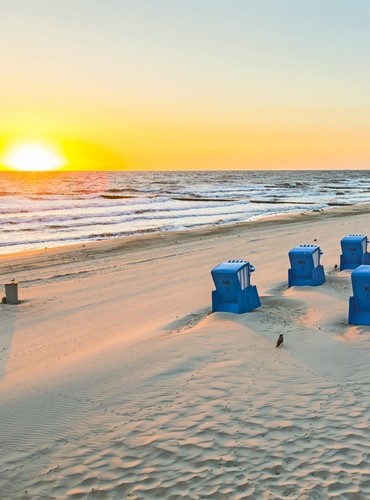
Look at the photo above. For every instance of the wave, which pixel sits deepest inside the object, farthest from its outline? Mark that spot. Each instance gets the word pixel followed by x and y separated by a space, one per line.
pixel 115 196
pixel 112 211
pixel 83 206
pixel 24 230
pixel 37 243
pixel 283 202
pixel 339 204
pixel 123 190
pixel 198 199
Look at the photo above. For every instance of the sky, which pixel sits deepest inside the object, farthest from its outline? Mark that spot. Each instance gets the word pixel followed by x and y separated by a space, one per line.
pixel 188 84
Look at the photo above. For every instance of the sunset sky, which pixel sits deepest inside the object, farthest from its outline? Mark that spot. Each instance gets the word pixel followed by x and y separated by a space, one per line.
pixel 188 84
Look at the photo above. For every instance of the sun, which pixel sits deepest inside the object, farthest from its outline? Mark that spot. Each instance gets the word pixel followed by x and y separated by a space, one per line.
pixel 33 157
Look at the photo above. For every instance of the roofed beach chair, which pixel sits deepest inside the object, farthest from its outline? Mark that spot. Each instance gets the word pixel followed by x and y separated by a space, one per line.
pixel 354 251
pixel 305 266
pixel 234 293
pixel 359 303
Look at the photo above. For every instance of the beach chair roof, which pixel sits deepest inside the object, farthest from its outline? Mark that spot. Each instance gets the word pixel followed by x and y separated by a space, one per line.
pixel 354 237
pixel 305 249
pixel 232 265
pixel 361 271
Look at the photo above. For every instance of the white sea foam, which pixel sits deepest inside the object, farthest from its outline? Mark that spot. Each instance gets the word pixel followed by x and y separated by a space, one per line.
pixel 59 208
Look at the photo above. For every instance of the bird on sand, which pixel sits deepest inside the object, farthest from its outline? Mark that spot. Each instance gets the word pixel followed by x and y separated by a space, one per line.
pixel 280 340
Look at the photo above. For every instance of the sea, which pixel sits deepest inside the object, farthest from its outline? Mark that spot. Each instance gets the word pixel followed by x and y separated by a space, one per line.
pixel 48 209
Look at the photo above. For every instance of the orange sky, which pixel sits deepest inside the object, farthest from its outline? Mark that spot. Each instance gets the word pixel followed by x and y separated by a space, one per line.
pixel 189 85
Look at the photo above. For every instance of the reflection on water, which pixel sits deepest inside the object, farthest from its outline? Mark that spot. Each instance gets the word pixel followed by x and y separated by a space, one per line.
pixel 54 208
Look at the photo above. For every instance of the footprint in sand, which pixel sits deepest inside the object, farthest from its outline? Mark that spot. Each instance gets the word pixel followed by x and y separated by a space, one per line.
pixel 340 284
pixel 280 312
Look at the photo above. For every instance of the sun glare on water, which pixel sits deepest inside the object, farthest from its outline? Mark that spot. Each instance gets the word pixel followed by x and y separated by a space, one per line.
pixel 33 157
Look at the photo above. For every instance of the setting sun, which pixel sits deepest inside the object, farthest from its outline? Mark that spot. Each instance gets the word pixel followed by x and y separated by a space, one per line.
pixel 33 157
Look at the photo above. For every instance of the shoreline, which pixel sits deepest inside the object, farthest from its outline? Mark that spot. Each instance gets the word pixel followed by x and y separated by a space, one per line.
pixel 209 231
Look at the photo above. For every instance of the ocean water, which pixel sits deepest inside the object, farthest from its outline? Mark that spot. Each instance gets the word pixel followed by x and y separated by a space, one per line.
pixel 40 210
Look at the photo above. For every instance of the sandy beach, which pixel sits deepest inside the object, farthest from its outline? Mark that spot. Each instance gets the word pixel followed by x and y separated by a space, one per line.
pixel 117 381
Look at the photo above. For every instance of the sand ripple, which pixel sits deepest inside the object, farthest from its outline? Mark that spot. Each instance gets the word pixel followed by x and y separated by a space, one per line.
pixel 207 409
pixel 225 427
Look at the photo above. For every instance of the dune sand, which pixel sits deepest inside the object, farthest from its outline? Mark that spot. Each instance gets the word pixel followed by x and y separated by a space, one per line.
pixel 117 382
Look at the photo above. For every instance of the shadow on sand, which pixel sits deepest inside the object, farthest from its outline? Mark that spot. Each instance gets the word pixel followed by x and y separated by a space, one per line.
pixel 8 315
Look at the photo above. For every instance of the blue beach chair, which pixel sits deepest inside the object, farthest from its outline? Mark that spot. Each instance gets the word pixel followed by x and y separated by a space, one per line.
pixel 354 251
pixel 234 293
pixel 305 266
pixel 359 303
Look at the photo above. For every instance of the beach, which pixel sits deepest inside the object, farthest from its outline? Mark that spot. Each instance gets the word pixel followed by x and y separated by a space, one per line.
pixel 117 381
